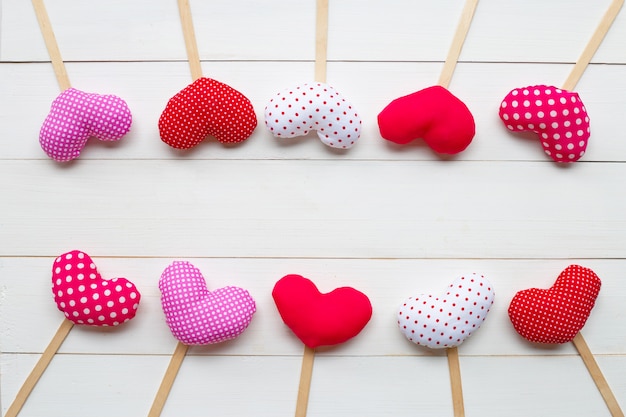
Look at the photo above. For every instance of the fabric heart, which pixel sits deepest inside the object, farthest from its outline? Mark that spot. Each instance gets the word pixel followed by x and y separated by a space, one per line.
pixel 433 114
pixel 297 111
pixel 86 298
pixel 206 107
pixel 557 314
pixel 320 319
pixel 197 316
pixel 446 321
pixel 76 116
pixel 557 116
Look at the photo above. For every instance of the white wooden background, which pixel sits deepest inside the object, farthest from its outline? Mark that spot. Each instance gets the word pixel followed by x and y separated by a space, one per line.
pixel 390 221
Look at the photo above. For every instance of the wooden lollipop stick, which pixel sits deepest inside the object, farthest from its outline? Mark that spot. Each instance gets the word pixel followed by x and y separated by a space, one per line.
pixel 304 388
pixel 593 45
pixel 455 382
pixel 168 379
pixel 457 42
pixel 190 39
pixel 321 40
pixel 40 367
pixel 51 44
pixel 596 374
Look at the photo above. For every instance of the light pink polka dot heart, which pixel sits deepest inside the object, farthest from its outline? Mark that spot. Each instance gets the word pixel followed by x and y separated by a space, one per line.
pixel 557 116
pixel 86 298
pixel 197 316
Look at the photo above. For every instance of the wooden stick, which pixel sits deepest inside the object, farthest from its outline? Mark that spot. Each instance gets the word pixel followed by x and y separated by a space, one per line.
pixel 51 44
pixel 457 42
pixel 596 375
pixel 190 39
pixel 40 367
pixel 306 374
pixel 455 382
pixel 593 45
pixel 321 40
pixel 168 379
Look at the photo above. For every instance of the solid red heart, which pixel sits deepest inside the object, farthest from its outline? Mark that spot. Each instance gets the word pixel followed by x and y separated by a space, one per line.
pixel 433 114
pixel 557 314
pixel 320 319
pixel 206 107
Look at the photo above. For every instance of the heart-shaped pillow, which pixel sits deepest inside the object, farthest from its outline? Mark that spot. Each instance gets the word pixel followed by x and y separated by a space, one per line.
pixel 556 314
pixel 433 114
pixel 75 116
pixel 319 319
pixel 86 298
pixel 206 107
pixel 313 106
pixel 197 316
pixel 447 320
pixel 557 116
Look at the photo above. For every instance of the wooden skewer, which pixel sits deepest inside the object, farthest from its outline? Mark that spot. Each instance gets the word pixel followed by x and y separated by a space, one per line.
pixel 190 39
pixel 39 369
pixel 168 380
pixel 597 376
pixel 321 40
pixel 304 388
pixel 457 43
pixel 455 382
pixel 593 45
pixel 51 44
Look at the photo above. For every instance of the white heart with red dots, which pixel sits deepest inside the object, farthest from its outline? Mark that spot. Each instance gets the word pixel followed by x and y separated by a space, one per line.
pixel 316 106
pixel 86 298
pixel 447 320
pixel 557 116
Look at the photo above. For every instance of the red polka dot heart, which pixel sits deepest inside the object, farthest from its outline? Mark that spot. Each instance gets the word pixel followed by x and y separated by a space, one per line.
pixel 86 298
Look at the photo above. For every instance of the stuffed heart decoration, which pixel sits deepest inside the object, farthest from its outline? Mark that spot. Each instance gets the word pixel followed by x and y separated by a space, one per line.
pixel 320 319
pixel 86 298
pixel 557 314
pixel 433 114
pixel 76 116
pixel 447 320
pixel 206 107
pixel 197 316
pixel 557 116
pixel 297 111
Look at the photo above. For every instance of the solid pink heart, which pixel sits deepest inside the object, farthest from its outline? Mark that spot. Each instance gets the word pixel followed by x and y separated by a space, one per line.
pixel 446 321
pixel 76 116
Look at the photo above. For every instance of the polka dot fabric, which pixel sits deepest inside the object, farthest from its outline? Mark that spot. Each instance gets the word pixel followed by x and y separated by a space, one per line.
pixel 558 117
pixel 557 314
pixel 206 107
pixel 316 106
pixel 86 298
pixel 76 116
pixel 447 320
pixel 197 316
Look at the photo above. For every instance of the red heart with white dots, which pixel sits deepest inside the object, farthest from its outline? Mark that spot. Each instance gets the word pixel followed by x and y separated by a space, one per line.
pixel 206 107
pixel 307 107
pixel 447 320
pixel 556 314
pixel 86 298
pixel 557 116
pixel 320 319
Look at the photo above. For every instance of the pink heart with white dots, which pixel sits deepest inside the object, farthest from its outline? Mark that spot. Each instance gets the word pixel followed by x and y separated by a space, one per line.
pixel 317 106
pixel 86 298
pixel 557 116
pixel 197 316
pixel 447 320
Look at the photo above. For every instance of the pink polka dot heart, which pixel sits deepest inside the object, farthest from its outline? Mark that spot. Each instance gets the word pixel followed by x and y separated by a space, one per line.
pixel 197 316
pixel 316 106
pixel 556 314
pixel 76 116
pixel 558 117
pixel 447 320
pixel 86 298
